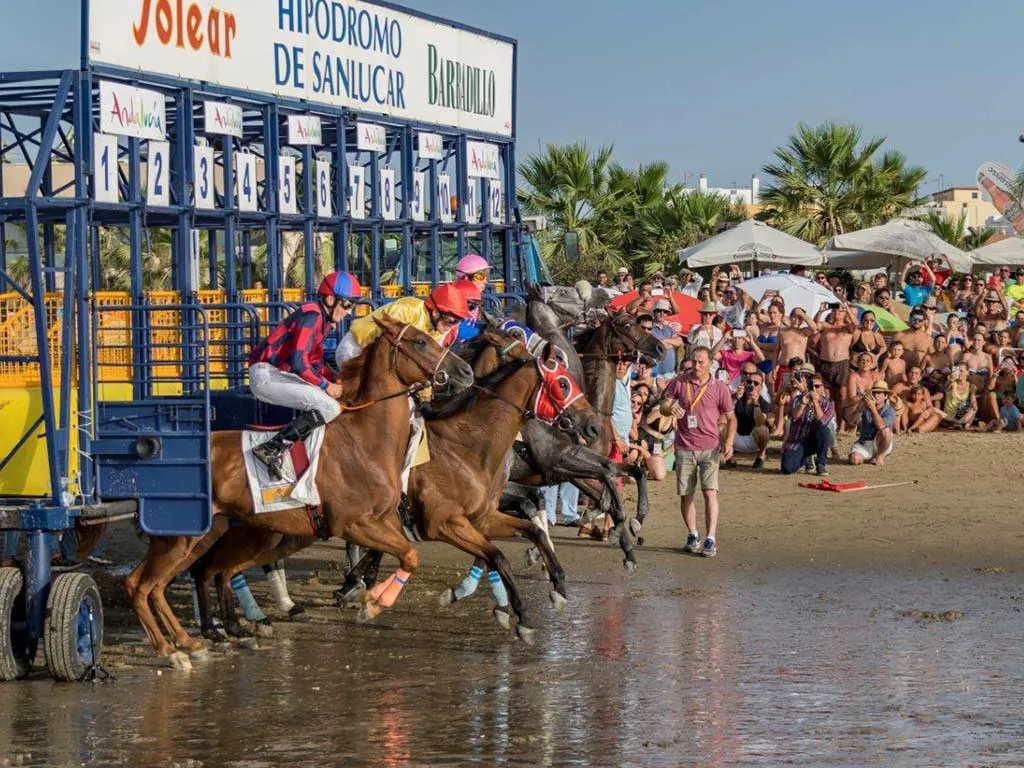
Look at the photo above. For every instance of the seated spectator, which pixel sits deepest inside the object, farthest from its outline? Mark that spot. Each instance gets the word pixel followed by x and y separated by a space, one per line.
pixel 894 369
pixel 1009 416
pixel 939 359
pixel 877 422
pixel 859 381
pixel 752 414
pixel 809 437
pixel 960 404
pixel 1003 383
pixel 919 413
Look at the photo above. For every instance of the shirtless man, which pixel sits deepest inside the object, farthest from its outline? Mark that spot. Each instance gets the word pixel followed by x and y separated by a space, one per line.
pixel 978 361
pixel 835 335
pixel 939 358
pixel 917 342
pixel 793 337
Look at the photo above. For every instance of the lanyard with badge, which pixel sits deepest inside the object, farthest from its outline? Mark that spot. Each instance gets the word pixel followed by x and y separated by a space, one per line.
pixel 691 419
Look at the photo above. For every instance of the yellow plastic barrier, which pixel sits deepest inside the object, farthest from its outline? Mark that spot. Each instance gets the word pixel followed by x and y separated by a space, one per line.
pixel 18 339
pixel 218 352
pixel 28 472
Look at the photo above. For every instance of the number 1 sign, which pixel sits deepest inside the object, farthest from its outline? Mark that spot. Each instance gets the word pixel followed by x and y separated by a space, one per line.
pixel 105 188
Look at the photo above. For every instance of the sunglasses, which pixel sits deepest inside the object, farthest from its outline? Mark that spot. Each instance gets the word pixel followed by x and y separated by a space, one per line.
pixel 662 311
pixel 346 304
pixel 755 382
pixel 817 386
pixel 478 277
pixel 449 318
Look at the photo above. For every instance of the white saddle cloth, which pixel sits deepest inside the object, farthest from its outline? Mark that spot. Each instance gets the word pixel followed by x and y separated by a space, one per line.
pixel 275 495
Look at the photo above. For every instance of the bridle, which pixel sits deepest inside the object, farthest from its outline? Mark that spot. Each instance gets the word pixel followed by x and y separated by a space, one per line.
pixel 438 378
pixel 634 357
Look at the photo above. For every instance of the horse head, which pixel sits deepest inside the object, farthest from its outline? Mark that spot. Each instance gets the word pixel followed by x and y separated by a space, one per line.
pixel 419 359
pixel 624 337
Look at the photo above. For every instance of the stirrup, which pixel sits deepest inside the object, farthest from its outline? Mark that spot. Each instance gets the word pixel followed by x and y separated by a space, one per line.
pixel 271 459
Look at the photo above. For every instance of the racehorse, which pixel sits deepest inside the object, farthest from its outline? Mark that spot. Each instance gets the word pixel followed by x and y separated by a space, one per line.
pixel 358 475
pixel 453 497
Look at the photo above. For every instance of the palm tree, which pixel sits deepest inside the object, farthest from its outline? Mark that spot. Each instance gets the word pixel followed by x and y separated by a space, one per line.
pixel 826 181
pixel 954 230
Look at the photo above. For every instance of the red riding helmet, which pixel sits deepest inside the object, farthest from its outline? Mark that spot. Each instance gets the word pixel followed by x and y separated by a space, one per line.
pixel 341 285
pixel 470 290
pixel 448 298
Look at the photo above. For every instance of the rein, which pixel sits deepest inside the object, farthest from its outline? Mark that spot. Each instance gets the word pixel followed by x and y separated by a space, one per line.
pixel 397 349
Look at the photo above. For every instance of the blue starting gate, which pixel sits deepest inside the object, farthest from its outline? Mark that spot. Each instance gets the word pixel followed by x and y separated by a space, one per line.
pixel 173 195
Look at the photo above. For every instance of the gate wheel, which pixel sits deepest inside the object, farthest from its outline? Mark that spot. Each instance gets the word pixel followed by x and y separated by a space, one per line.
pixel 16 650
pixel 74 627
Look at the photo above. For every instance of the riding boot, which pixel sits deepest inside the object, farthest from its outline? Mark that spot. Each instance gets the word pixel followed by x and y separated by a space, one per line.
pixel 272 451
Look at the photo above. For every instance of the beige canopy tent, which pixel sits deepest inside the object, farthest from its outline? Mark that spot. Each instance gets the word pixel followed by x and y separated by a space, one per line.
pixel 884 245
pixel 1009 252
pixel 751 242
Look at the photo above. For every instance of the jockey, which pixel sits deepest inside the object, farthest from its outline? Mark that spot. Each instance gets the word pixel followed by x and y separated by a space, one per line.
pixel 287 368
pixel 438 316
pixel 470 327
pixel 473 267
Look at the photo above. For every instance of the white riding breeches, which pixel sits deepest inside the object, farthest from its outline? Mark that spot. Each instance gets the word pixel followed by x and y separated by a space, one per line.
pixel 347 349
pixel 286 389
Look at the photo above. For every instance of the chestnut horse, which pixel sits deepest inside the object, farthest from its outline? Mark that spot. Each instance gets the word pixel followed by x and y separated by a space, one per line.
pixel 454 496
pixel 358 475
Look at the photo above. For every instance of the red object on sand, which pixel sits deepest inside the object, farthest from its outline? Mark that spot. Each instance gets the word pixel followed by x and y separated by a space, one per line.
pixel 825 485
pixel 689 308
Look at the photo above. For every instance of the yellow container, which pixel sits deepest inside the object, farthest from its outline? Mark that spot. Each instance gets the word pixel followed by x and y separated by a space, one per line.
pixel 28 473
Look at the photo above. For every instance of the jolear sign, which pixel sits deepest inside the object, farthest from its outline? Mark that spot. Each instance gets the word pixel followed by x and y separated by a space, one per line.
pixel 347 53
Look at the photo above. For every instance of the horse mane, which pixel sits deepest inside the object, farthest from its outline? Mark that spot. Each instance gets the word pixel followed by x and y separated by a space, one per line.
pixel 581 339
pixel 350 375
pixel 468 398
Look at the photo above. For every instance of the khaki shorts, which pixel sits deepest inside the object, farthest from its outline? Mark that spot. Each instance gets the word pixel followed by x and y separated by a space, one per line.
pixel 690 464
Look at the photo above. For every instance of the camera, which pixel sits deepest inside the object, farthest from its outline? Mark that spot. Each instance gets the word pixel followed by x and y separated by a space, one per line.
pixel 834 305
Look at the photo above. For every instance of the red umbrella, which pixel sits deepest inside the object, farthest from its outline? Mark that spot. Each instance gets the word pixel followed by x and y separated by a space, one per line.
pixel 689 308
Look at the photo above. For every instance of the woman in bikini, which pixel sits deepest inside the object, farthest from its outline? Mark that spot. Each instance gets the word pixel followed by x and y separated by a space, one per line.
pixel 977 362
pixel 867 339
pixel 894 369
pixel 861 378
pixel 956 335
pixel 769 328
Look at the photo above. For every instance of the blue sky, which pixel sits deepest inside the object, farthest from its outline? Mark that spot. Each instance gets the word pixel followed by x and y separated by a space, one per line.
pixel 714 86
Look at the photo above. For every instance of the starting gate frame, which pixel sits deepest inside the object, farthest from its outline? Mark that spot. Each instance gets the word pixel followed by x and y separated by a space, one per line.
pixel 95 441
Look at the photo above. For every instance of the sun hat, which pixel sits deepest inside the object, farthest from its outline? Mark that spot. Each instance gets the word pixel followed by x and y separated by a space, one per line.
pixel 709 309
pixel 931 302
pixel 880 386
pixel 622 271
pixel 807 368
pixel 992 295
pixel 662 304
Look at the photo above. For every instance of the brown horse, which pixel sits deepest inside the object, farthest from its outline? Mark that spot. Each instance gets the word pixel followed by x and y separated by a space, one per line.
pixel 358 475
pixel 454 496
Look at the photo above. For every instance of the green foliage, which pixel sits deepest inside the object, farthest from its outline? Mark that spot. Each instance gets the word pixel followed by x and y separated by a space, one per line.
pixel 623 217
pixel 954 230
pixel 826 181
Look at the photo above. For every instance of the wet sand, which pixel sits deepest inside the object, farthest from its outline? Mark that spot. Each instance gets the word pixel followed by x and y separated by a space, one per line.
pixel 878 627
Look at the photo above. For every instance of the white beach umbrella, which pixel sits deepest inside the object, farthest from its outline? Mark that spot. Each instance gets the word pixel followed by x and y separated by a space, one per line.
pixel 899 239
pixel 751 241
pixel 794 291
pixel 1009 252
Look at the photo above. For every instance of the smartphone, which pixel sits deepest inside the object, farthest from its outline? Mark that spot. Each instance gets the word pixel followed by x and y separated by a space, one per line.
pixel 723 375
pixel 834 305
pixel 739 333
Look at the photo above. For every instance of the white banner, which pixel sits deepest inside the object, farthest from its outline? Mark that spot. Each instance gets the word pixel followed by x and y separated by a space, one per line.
pixel 305 129
pixel 417 208
pixel 129 111
pixel 246 191
pixel 357 192
pixel 444 197
pixel 324 201
pixel 429 146
pixel 482 160
pixel 371 138
pixel 222 118
pixel 202 157
pixel 286 195
pixel 158 170
pixel 345 53
pixel 387 194
pixel 105 188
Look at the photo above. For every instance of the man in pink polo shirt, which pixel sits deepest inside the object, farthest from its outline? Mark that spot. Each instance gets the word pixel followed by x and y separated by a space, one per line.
pixel 698 401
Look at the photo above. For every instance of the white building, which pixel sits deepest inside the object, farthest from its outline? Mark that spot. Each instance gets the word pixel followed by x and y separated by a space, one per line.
pixel 750 196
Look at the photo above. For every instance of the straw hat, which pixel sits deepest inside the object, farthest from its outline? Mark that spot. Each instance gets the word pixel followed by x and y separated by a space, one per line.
pixel 992 295
pixel 807 368
pixel 662 304
pixel 709 309
pixel 880 386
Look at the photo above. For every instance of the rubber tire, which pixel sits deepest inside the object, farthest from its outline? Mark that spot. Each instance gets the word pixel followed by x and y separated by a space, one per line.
pixel 60 632
pixel 13 665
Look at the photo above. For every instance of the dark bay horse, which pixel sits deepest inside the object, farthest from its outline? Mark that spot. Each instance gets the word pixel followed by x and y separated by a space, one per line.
pixel 358 474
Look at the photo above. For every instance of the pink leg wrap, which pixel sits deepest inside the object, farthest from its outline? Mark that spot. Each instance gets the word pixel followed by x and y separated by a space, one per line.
pixel 386 593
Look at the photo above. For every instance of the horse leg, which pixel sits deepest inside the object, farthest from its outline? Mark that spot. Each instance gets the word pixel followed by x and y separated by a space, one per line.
pixel 527 509
pixel 384 536
pixel 459 532
pixel 467 586
pixel 272 562
pixel 498 525
pixel 228 618
pixel 141 581
pixel 356 580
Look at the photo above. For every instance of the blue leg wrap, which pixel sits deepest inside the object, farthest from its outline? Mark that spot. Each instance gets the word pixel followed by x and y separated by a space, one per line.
pixel 468 585
pixel 245 599
pixel 498 589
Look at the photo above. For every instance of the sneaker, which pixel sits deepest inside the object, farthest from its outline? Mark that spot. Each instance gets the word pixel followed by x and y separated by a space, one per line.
pixel 730 464
pixel 758 463
pixel 822 471
pixel 809 465
pixel 692 544
pixel 709 550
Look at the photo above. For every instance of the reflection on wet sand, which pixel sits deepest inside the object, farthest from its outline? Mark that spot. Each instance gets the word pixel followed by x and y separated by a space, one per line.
pixel 815 668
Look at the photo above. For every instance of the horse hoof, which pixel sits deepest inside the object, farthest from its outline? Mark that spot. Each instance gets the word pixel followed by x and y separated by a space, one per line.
pixel 501 616
pixel 216 635
pixel 236 630
pixel 248 644
pixel 635 526
pixel 639 541
pixel 297 613
pixel 558 600
pixel 527 634
pixel 447 597
pixel 353 594
pixel 199 654
pixel 264 630
pixel 368 612
pixel 532 556
pixel 629 565
pixel 180 661
pixel 613 537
